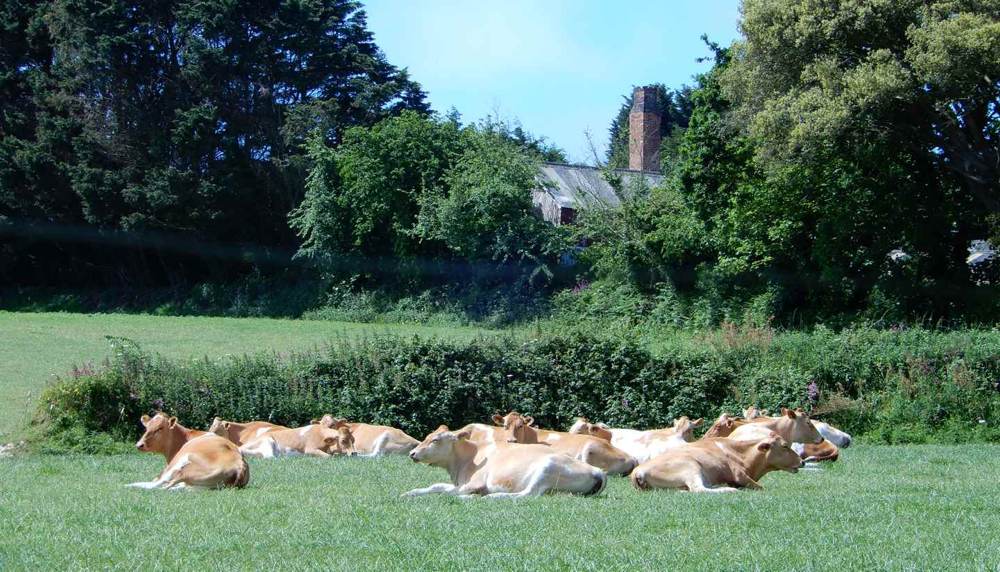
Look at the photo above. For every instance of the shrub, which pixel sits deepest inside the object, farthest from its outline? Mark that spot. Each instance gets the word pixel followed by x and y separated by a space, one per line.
pixel 902 386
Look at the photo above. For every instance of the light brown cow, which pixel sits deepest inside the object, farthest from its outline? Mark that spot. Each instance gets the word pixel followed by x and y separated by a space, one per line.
pixel 313 440
pixel 792 425
pixel 723 426
pixel 374 440
pixel 641 445
pixel 242 433
pixel 717 465
pixel 502 470
pixel 195 459
pixel 589 449
pixel 825 451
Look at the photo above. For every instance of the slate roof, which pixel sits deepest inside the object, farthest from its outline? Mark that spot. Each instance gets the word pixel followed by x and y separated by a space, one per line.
pixel 573 186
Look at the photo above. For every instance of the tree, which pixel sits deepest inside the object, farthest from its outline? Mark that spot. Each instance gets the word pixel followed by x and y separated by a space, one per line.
pixel 364 196
pixel 187 117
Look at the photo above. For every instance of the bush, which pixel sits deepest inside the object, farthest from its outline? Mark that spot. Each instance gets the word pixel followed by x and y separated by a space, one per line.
pixel 888 386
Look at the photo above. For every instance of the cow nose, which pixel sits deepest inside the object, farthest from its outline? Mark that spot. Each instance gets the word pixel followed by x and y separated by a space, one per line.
pixel 139 445
pixel 847 442
pixel 413 455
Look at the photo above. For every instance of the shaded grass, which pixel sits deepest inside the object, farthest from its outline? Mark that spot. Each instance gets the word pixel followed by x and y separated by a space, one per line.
pixel 36 347
pixel 900 508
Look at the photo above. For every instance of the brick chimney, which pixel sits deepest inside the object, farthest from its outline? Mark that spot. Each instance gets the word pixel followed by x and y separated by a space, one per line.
pixel 644 131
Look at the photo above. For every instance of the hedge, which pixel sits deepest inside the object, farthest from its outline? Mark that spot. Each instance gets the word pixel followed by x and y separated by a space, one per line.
pixel 910 386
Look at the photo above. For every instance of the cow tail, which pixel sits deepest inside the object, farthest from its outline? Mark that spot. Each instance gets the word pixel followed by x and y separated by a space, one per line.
pixel 243 474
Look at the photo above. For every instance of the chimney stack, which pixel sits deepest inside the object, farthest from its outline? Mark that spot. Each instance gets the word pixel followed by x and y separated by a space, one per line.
pixel 644 131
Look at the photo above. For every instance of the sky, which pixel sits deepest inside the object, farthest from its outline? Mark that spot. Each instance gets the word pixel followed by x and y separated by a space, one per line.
pixel 558 67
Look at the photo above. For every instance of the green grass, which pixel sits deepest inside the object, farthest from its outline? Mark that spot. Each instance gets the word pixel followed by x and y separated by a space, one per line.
pixel 898 508
pixel 36 347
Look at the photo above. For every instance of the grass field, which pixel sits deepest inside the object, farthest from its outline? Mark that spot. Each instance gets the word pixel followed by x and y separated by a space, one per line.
pixel 36 347
pixel 896 508
pixel 899 508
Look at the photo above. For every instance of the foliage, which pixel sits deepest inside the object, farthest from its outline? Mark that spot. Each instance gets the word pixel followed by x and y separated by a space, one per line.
pixel 186 118
pixel 894 386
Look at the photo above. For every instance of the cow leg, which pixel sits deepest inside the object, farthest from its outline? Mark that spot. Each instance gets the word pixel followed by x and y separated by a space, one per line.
pixel 168 475
pixel 439 488
pixel 379 447
pixel 696 484
pixel 317 453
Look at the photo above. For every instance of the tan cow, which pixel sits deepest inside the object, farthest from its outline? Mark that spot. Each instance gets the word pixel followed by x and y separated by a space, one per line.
pixel 195 459
pixel 242 433
pixel 374 440
pixel 502 470
pixel 810 453
pixel 723 426
pixel 792 425
pixel 717 465
pixel 587 448
pixel 314 440
pixel 641 445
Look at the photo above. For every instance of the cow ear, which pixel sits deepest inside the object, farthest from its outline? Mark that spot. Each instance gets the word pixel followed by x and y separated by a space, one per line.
pixel 226 424
pixel 463 435
pixel 697 422
pixel 529 420
pixel 145 420
pixel 498 419
pixel 441 428
pixel 788 413
pixel 764 446
pixel 173 422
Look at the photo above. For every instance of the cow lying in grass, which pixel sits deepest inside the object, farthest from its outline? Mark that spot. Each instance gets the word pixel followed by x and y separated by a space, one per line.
pixel 793 426
pixel 242 433
pixel 502 470
pixel 717 465
pixel 641 445
pixel 195 459
pixel 314 440
pixel 374 440
pixel 589 449
pixel 825 450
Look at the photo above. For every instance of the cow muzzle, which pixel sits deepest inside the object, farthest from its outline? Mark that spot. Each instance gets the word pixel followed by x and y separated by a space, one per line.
pixel 141 445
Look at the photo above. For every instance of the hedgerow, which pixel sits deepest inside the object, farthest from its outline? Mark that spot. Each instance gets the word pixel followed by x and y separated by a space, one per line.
pixel 902 386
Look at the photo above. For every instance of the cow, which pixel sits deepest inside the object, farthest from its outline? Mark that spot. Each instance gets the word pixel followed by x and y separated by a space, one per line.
pixel 242 433
pixel 586 448
pixel 723 426
pixel 717 465
pixel 502 470
pixel 195 459
pixel 814 453
pixel 792 425
pixel 832 434
pixel 374 440
pixel 641 445
pixel 313 440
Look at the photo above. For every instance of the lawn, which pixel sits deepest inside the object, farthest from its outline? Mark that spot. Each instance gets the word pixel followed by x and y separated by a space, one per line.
pixel 36 347
pixel 899 508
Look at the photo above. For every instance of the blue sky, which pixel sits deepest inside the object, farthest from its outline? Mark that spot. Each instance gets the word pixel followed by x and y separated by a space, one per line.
pixel 559 67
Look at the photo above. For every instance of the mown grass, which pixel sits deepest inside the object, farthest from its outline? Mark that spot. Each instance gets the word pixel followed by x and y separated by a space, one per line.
pixel 36 347
pixel 897 508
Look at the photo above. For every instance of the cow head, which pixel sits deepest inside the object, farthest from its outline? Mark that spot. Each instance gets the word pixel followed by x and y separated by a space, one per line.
pixel 752 412
pixel 832 434
pixel 159 435
pixel 583 426
pixel 330 422
pixel 685 427
pixel 339 441
pixel 438 448
pixel 722 427
pixel 778 455
pixel 518 427
pixel 798 427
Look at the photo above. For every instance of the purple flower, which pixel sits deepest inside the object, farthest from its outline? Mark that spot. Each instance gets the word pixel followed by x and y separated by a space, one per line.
pixel 812 392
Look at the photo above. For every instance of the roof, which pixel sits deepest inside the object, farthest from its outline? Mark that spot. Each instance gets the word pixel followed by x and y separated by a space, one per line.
pixel 574 186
